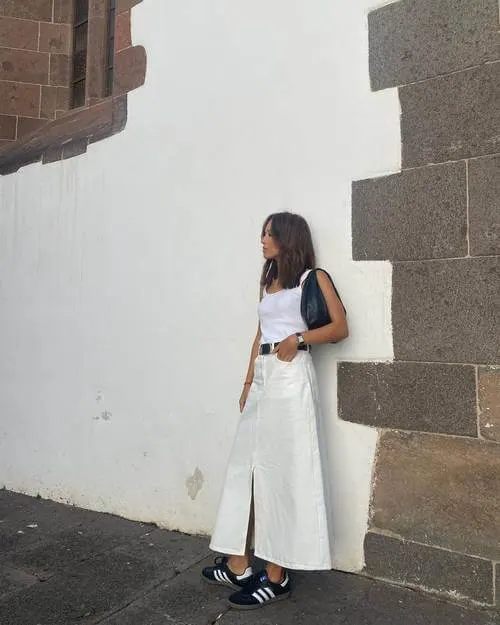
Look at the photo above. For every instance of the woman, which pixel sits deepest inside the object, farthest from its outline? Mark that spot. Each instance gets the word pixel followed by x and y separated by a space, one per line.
pixel 274 486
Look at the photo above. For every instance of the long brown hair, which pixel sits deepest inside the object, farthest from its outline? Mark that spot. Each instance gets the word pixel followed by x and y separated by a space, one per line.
pixel 293 236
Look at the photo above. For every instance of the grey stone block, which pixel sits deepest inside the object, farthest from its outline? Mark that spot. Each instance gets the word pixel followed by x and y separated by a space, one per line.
pixel 12 581
pixel 489 402
pixel 439 490
pixel 67 549
pixel 14 536
pixel 57 537
pixel 92 590
pixel 411 41
pixel 447 573
pixel 409 396
pixel 447 311
pixel 484 206
pixel 90 569
pixel 417 214
pixel 184 600
pixel 168 552
pixel 25 521
pixel 451 117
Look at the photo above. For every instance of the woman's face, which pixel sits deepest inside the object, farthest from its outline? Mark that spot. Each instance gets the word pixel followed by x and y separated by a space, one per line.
pixel 270 248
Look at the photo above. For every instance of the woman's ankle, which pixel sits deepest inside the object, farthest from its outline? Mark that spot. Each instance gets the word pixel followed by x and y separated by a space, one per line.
pixel 275 573
pixel 238 564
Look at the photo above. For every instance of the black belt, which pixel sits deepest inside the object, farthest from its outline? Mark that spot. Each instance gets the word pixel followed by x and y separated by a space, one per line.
pixel 268 348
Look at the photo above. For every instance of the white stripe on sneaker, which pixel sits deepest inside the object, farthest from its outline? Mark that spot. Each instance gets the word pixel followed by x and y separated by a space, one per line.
pixel 218 575
pixel 262 593
pixel 258 597
pixel 224 574
pixel 285 581
pixel 270 594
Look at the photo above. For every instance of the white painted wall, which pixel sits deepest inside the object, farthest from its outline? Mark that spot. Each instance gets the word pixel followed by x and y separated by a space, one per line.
pixel 129 275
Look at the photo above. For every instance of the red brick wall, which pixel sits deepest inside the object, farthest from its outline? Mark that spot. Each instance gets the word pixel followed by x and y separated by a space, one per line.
pixel 35 40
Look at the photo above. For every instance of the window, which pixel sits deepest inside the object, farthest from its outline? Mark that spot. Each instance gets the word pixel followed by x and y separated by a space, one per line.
pixel 81 58
pixel 80 51
pixel 110 64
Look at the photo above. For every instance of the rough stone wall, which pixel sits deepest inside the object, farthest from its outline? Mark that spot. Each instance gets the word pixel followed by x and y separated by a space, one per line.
pixel 435 514
pixel 35 40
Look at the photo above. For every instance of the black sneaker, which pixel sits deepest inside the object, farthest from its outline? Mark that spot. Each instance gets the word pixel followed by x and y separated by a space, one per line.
pixel 260 592
pixel 222 574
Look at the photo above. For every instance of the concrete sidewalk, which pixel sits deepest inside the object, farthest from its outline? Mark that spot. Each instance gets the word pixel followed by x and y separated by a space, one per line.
pixel 62 566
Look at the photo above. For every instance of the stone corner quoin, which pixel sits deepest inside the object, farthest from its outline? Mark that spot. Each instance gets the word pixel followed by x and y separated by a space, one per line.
pixel 436 485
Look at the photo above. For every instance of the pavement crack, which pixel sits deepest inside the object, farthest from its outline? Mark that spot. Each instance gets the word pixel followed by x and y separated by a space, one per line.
pixel 148 590
pixel 137 597
pixel 193 564
pixel 219 618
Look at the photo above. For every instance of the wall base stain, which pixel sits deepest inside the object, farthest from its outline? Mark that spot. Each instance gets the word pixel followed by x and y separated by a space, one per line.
pixel 194 483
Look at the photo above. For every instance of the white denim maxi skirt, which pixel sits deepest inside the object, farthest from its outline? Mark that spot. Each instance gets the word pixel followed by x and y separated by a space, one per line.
pixel 276 452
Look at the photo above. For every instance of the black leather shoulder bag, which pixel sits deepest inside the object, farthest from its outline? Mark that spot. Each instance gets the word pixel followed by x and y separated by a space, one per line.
pixel 312 304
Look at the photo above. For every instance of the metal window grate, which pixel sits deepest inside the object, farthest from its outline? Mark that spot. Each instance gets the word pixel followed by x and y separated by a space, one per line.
pixel 80 49
pixel 110 60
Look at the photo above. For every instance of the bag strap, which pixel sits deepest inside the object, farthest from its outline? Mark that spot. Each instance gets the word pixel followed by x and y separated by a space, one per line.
pixel 304 276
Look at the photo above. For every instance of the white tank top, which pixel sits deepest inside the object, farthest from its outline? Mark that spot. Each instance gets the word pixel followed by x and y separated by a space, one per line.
pixel 279 313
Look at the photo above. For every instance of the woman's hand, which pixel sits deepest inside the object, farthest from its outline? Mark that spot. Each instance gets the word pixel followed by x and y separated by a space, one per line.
pixel 287 349
pixel 243 397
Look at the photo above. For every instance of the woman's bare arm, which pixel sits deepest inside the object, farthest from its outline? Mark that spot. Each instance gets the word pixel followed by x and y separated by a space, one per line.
pixel 250 371
pixel 255 348
pixel 253 356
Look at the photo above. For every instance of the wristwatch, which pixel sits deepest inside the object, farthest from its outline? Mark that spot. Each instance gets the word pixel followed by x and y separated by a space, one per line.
pixel 300 339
